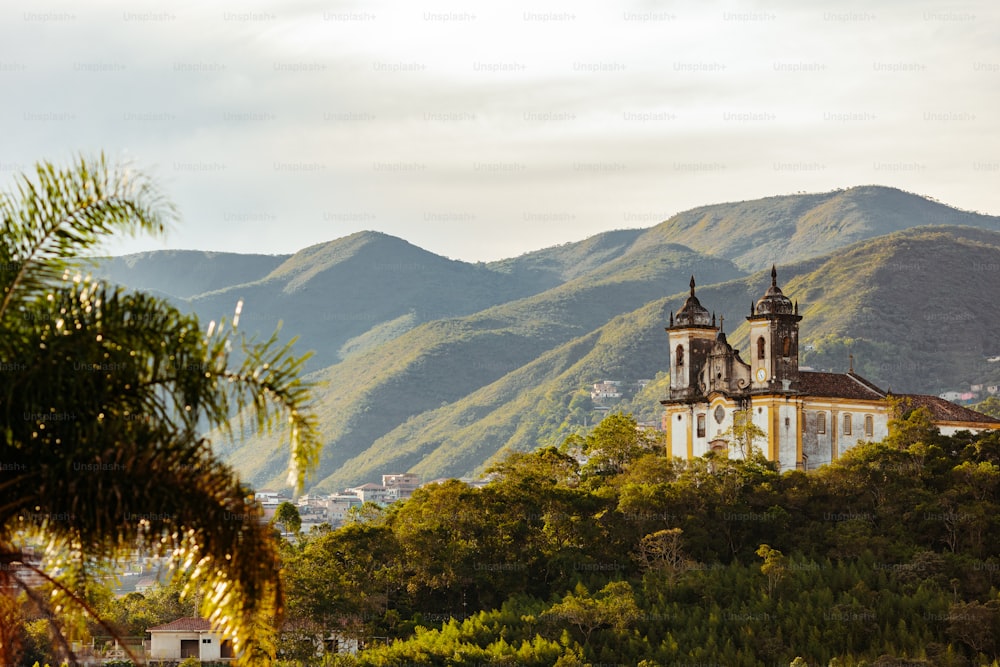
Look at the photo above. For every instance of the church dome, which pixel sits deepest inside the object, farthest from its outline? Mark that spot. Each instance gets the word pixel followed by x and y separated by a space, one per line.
pixel 692 313
pixel 774 302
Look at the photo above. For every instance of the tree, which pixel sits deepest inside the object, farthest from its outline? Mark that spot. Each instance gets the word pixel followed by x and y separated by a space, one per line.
pixel 104 394
pixel 909 426
pixel 287 515
pixel 615 442
pixel 775 566
pixel 613 606
pixel 744 434
pixel 990 406
pixel 663 551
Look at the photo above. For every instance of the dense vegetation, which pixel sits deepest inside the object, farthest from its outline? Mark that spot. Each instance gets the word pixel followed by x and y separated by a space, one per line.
pixel 890 556
pixel 103 393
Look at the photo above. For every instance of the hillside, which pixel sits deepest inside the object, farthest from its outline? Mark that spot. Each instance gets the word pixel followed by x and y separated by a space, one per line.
pixel 862 301
pixel 436 364
pixel 564 262
pixel 440 362
pixel 789 228
pixel 360 291
pixel 185 273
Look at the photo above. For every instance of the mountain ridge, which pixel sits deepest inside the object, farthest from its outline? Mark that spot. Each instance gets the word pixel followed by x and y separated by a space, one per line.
pixel 436 364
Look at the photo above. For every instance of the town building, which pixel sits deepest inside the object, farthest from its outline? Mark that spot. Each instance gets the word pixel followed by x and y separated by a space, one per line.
pixel 606 390
pixel 401 485
pixel 188 638
pixel 808 418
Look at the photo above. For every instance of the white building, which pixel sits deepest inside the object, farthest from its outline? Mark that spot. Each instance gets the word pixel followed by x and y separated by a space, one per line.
pixel 188 638
pixel 808 418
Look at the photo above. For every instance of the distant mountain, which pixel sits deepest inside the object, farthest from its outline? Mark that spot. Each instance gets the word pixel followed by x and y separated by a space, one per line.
pixel 864 300
pixel 564 262
pixel 185 273
pixel 435 365
pixel 347 295
pixel 755 233
pixel 440 362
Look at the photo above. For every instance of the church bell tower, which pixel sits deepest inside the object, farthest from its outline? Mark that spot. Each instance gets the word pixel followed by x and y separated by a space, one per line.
pixel 691 334
pixel 774 341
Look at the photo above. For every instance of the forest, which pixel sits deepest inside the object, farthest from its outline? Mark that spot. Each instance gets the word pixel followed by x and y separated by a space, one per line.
pixel 605 552
pixel 890 556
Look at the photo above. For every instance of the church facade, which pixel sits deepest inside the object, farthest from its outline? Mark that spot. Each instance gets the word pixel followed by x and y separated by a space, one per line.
pixel 808 418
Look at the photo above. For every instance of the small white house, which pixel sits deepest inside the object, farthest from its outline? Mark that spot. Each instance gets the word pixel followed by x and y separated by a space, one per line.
pixel 188 638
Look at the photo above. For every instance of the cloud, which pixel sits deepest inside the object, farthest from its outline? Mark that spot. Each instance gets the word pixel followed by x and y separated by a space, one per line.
pixel 480 131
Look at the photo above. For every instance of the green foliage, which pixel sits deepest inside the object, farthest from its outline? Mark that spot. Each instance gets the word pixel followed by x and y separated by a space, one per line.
pixel 990 406
pixel 615 443
pixel 775 566
pixel 105 395
pixel 745 434
pixel 884 556
pixel 287 514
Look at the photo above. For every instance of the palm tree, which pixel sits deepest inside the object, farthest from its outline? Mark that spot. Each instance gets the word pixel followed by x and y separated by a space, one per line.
pixel 104 397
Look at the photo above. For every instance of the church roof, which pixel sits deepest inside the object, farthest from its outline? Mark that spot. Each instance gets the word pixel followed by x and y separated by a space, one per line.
pixel 692 313
pixel 184 625
pixel 946 411
pixel 838 385
pixel 774 302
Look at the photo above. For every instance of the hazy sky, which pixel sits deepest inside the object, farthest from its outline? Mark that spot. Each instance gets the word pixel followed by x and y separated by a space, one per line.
pixel 481 130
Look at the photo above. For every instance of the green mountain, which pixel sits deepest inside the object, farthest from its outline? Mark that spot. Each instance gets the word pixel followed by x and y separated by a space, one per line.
pixel 907 305
pixel 339 298
pixel 444 361
pixel 182 274
pixel 435 365
pixel 755 233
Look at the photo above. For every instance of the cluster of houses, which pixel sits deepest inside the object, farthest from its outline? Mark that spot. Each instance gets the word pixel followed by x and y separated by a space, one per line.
pixel 975 393
pixel 606 393
pixel 335 508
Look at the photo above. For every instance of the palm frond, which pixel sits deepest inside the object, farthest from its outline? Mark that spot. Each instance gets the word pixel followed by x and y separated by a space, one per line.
pixel 65 213
pixel 103 396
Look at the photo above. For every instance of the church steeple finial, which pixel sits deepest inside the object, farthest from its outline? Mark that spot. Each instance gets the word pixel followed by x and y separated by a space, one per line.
pixel 774 276
pixel 851 357
pixel 692 285
pixel 722 324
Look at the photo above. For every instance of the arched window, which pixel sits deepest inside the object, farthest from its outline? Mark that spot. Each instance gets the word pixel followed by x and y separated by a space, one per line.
pixel 786 347
pixel 701 426
pixel 847 423
pixel 821 422
pixel 869 426
pixel 680 356
pixel 760 347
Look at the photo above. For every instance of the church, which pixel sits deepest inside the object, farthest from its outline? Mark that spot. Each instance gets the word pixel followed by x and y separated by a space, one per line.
pixel 808 418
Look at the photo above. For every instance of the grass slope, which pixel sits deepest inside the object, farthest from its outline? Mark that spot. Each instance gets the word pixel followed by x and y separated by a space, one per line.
pixel 915 308
pixel 441 362
pixel 788 228
pixel 344 296
pixel 182 274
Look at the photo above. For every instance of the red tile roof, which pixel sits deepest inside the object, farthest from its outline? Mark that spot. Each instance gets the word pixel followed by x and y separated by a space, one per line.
pixel 838 385
pixel 942 410
pixel 184 625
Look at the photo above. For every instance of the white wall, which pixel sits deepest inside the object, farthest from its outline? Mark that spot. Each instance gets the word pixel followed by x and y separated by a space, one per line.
pixel 167 645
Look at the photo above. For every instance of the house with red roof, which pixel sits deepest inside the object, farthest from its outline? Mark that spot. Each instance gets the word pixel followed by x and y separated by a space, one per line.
pixel 188 638
pixel 808 418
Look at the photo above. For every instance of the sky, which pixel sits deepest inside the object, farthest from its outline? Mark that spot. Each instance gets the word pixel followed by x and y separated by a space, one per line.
pixel 482 130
